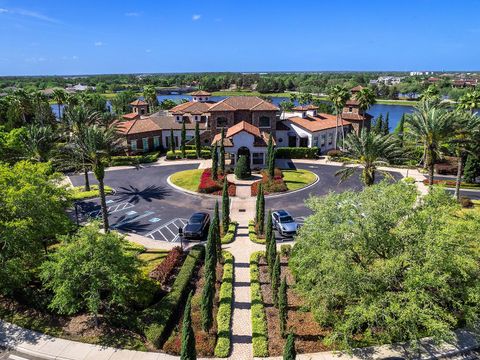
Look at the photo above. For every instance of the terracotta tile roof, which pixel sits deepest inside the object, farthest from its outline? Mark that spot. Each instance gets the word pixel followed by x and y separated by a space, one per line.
pixel 130 116
pixel 305 107
pixel 123 127
pixel 167 122
pixel 352 102
pixel 252 103
pixel 317 123
pixel 200 93
pixel 191 107
pixel 138 102
pixel 356 117
pixel 260 137
pixel 282 126
pixel 356 88
pixel 138 126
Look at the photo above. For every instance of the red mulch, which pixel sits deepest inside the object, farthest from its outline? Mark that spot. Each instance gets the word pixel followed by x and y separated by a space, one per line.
pixel 209 186
pixel 308 333
pixel 270 186
pixel 204 342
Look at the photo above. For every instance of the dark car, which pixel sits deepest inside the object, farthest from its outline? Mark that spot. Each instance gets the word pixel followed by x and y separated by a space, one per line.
pixel 197 226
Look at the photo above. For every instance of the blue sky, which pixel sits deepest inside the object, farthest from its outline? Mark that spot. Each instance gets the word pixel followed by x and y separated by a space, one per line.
pixel 94 37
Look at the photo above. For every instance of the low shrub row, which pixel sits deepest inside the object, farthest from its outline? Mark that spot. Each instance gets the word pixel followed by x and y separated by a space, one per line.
pixel 230 235
pixel 164 270
pixel 224 314
pixel 77 192
pixel 189 154
pixel 158 317
pixel 259 319
pixel 296 153
pixel 252 233
pixel 286 250
pixel 134 159
pixel 451 184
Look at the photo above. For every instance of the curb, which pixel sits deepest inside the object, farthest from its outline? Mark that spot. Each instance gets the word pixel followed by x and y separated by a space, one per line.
pixel 317 179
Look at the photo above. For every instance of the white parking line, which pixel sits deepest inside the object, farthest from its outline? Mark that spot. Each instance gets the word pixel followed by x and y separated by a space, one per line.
pixel 111 209
pixel 169 227
pixel 16 357
pixel 132 219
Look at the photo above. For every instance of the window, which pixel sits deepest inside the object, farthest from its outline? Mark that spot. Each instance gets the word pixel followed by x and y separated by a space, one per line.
pixel 257 158
pixel 315 141
pixel 350 109
pixel 145 144
pixel 330 138
pixel 196 117
pixel 186 119
pixel 280 140
pixel 222 122
pixel 322 140
pixel 264 122
pixel 178 118
pixel 156 142
pixel 133 145
pixel 203 118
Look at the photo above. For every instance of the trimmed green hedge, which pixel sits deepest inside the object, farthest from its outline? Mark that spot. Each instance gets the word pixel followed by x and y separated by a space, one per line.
pixel 158 317
pixel 190 154
pixel 224 314
pixel 134 159
pixel 252 233
pixel 296 152
pixel 259 319
pixel 230 235
pixel 77 192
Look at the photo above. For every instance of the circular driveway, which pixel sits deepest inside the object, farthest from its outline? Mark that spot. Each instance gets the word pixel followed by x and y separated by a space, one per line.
pixel 145 204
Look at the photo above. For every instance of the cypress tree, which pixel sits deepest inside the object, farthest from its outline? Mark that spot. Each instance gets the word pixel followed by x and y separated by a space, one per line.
pixel 218 238
pixel 289 352
pixel 386 125
pixel 283 306
pixel 275 280
pixel 172 142
pixel 188 351
pixel 400 130
pixel 242 169
pixel 268 231
pixel 208 292
pixel 378 127
pixel 261 210
pixel 472 169
pixel 215 162
pixel 183 140
pixel 270 158
pixel 225 207
pixel 198 146
pixel 272 255
pixel 222 153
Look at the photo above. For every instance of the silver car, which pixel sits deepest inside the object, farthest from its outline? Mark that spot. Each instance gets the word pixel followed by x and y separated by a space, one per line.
pixel 284 223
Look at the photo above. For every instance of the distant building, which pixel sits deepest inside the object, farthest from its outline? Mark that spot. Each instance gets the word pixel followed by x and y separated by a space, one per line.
pixel 420 73
pixel 387 80
pixel 79 88
pixel 464 83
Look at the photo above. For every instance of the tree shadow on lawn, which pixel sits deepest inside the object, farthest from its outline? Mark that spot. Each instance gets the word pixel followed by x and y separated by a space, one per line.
pixel 133 195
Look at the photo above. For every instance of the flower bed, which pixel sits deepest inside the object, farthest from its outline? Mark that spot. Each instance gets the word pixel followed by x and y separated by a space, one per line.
pixel 163 272
pixel 277 184
pixel 209 186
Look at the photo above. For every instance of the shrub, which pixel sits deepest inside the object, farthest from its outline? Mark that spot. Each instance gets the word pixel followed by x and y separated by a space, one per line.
pixel 242 170
pixel 259 319
pixel 163 271
pixel 189 154
pixel 409 180
pixel 286 250
pixel 277 184
pixel 334 153
pixel 296 153
pixel 224 314
pixel 158 317
pixel 466 202
pixel 252 233
pixel 209 186
pixel 134 159
pixel 77 192
pixel 230 235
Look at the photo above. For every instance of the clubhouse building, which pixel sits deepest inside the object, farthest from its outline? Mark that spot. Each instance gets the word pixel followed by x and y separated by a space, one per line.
pixel 248 122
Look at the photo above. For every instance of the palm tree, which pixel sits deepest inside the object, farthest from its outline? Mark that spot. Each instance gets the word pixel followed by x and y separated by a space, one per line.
pixel 96 144
pixel 370 150
pixel 470 101
pixel 466 132
pixel 365 98
pixel 150 95
pixel 60 96
pixel 338 95
pixel 430 94
pixel 38 141
pixel 429 126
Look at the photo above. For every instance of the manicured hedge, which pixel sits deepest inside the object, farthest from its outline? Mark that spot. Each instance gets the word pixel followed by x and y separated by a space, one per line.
pixel 134 159
pixel 158 317
pixel 259 319
pixel 190 154
pixel 78 194
pixel 296 153
pixel 230 235
pixel 252 233
pixel 224 314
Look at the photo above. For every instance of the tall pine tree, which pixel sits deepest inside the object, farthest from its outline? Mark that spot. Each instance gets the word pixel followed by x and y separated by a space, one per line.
pixel 283 306
pixel 275 280
pixel 215 162
pixel 225 207
pixel 188 351
pixel 378 127
pixel 172 141
pixel 198 146
pixel 183 140
pixel 289 352
pixel 222 153
pixel 386 125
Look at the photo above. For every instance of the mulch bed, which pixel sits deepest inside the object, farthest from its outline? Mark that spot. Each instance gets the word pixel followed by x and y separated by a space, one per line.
pixel 308 333
pixel 270 185
pixel 204 342
pixel 209 186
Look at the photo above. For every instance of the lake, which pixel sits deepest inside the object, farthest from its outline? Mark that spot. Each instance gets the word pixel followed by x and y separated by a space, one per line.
pixel 395 111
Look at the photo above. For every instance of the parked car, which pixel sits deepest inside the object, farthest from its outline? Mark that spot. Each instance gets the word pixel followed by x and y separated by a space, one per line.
pixel 284 223
pixel 197 226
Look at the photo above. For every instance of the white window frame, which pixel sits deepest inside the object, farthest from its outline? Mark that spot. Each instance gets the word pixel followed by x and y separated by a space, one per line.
pixel 133 145
pixel 156 142
pixel 263 126
pixel 257 156
pixel 145 142
pixel 322 139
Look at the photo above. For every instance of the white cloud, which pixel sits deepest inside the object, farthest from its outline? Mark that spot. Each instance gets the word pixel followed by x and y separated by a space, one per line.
pixel 132 14
pixel 148 51
pixel 35 59
pixel 32 14
pixel 196 17
pixel 2 10
pixel 98 43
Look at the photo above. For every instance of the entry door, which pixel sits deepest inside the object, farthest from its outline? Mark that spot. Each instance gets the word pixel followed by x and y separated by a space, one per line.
pixel 292 141
pixel 303 142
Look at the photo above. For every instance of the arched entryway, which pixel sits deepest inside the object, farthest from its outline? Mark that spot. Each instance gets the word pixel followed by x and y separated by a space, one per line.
pixel 245 152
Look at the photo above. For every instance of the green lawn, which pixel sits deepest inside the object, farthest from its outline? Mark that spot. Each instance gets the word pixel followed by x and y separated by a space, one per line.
pixel 297 179
pixel 248 93
pixel 77 192
pixel 188 179
pixel 151 258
